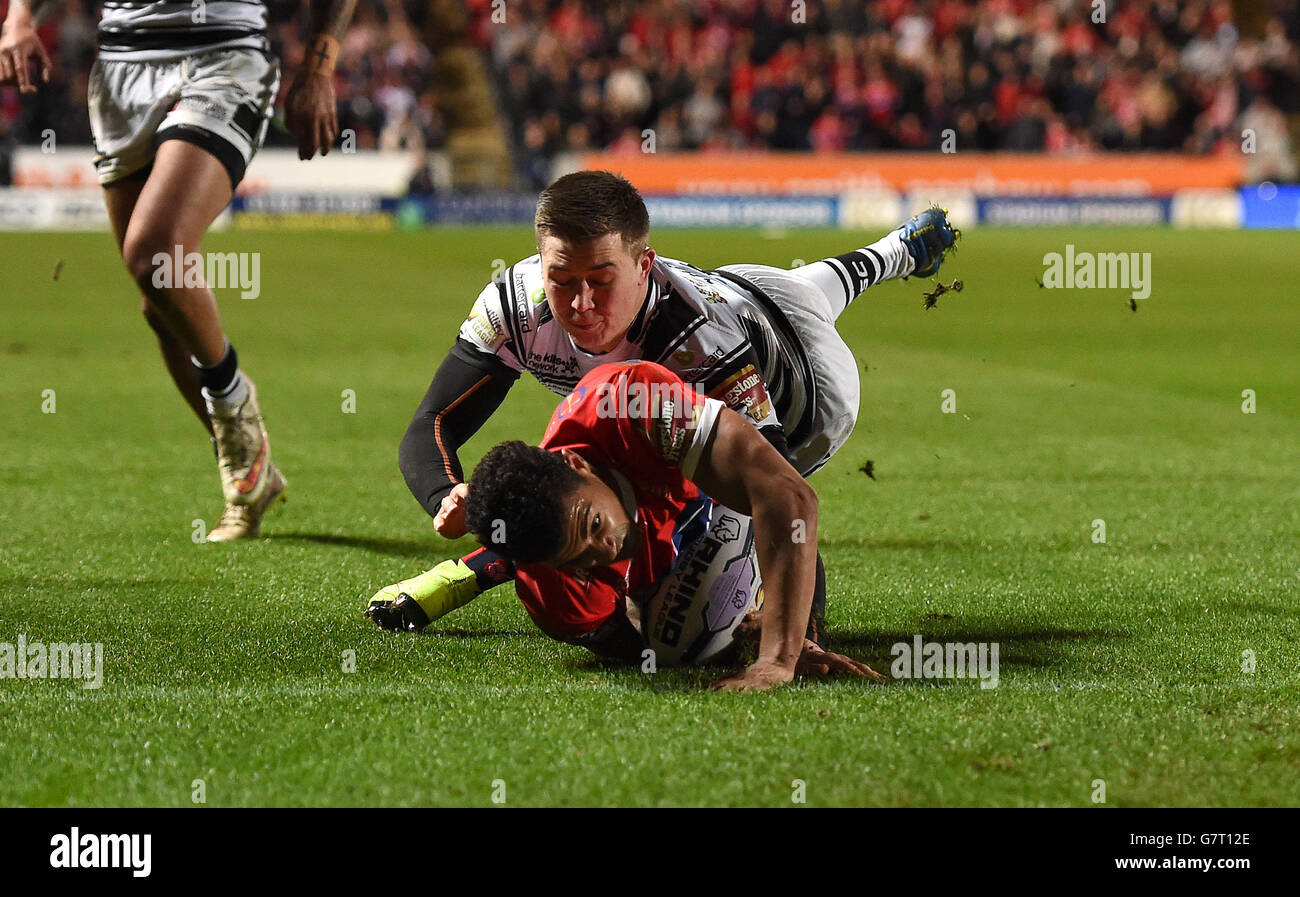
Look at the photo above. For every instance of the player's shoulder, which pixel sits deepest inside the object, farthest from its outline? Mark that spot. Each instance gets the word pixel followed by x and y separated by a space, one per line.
pixel 701 289
pixel 514 300
pixel 515 286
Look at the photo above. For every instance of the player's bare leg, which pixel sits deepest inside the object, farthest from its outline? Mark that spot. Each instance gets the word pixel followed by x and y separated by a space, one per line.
pixel 182 196
pixel 120 199
pixel 160 223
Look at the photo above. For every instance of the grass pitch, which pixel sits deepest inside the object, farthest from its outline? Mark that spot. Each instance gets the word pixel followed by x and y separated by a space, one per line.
pixel 1120 661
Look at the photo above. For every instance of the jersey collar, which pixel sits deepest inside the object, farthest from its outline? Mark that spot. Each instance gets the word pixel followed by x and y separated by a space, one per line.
pixel 634 333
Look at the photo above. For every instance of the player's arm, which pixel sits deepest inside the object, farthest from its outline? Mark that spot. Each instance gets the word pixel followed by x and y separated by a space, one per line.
pixel 467 389
pixel 740 386
pixel 20 45
pixel 310 108
pixel 743 471
pixel 469 386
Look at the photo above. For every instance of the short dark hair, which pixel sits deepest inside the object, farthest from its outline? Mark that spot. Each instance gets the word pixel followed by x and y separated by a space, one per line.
pixel 516 501
pixel 587 205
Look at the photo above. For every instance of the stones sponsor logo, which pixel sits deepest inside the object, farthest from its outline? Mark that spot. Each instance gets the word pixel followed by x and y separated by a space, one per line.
pixel 672 434
pixel 746 393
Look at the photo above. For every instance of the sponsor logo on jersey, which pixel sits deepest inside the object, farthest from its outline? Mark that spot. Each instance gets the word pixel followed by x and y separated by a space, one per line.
pixel 670 433
pixel 537 296
pixel 485 327
pixel 669 410
pixel 745 392
pixel 550 363
pixel 698 372
pixel 709 295
pixel 571 401
pixel 523 311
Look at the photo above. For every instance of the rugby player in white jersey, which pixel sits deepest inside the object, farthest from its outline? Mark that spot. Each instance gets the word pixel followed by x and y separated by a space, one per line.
pixel 180 98
pixel 760 339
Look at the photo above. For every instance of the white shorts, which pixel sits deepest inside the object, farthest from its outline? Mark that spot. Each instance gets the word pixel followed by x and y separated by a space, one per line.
pixel 692 616
pixel 221 101
pixel 835 370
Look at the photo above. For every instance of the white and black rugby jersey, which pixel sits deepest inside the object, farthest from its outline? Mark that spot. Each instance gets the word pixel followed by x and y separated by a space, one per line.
pixel 713 329
pixel 157 30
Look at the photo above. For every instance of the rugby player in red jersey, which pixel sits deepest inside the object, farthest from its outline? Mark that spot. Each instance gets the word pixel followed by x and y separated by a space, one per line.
pixel 652 518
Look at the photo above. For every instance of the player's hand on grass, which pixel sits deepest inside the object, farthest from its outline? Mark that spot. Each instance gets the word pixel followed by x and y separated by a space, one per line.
pixel 311 113
pixel 816 662
pixel 19 46
pixel 813 662
pixel 450 520
pixel 760 676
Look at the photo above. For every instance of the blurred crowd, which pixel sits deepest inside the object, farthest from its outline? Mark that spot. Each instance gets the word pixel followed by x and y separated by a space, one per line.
pixel 829 75
pixel 384 78
pixel 823 75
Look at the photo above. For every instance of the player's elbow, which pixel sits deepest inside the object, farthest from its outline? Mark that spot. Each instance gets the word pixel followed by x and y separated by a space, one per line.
pixel 803 499
pixel 791 498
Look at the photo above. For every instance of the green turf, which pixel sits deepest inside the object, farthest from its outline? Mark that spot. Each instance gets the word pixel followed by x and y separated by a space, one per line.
pixel 1120 661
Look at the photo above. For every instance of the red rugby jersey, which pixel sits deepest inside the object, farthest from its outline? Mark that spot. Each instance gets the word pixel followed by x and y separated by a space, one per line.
pixel 642 421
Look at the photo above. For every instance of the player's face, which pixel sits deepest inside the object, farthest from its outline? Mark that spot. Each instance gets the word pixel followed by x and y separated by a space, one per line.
pixel 595 288
pixel 598 529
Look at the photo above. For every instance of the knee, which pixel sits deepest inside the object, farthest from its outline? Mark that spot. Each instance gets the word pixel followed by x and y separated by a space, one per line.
pixel 152 317
pixel 156 259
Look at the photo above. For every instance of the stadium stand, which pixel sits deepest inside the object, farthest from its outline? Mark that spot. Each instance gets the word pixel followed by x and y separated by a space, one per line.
pixel 485 80
pixel 890 74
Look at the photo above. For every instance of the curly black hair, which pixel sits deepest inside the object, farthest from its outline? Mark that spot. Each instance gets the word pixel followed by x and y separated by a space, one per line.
pixel 516 501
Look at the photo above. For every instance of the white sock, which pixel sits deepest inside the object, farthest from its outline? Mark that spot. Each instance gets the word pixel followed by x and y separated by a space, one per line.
pixel 898 261
pixel 844 277
pixel 230 398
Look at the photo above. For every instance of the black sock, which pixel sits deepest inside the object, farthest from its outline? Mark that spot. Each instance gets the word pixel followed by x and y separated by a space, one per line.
pixel 216 378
